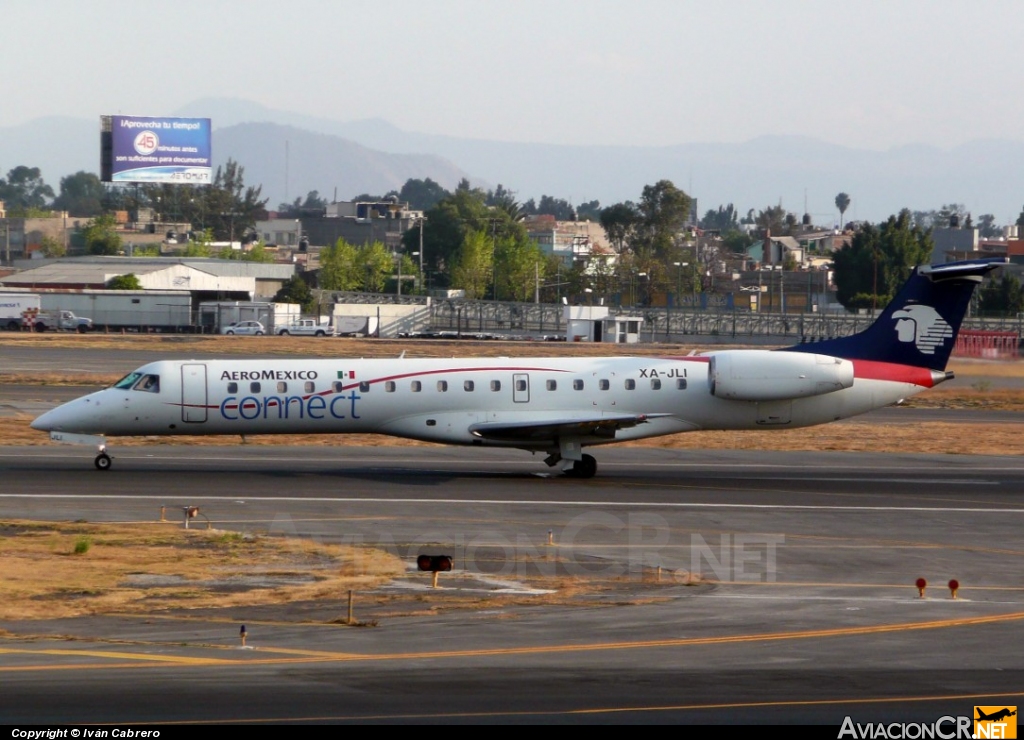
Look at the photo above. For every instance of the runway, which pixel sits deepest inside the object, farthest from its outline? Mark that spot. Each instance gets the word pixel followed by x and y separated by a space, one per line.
pixel 806 609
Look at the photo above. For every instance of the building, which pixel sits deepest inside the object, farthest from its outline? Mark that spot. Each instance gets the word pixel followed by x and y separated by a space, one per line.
pixel 207 279
pixel 357 222
pixel 20 237
pixel 567 240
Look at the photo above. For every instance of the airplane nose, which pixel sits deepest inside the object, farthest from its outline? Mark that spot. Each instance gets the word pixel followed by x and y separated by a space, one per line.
pixel 45 422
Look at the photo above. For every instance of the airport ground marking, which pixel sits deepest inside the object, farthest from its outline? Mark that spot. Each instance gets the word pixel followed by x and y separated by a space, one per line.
pixel 594 711
pixel 681 505
pixel 313 656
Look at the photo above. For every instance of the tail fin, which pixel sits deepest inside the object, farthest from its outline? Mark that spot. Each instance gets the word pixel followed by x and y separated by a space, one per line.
pixel 919 327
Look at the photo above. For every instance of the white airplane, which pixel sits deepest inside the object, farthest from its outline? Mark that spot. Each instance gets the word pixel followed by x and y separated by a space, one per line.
pixel 552 405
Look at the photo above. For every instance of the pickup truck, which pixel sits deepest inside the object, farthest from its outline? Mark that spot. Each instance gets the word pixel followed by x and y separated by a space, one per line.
pixel 66 321
pixel 306 328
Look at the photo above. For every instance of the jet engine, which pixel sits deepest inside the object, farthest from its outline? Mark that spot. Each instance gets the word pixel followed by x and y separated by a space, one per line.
pixel 765 375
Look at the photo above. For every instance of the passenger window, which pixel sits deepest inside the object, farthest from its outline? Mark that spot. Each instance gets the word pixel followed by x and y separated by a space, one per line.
pixel 416 386
pixel 577 385
pixel 389 386
pixel 630 384
pixel 232 387
pixel 254 387
pixel 467 386
pixel 495 385
pixel 552 385
pixel 310 386
pixel 442 386
pixel 655 384
pixel 681 384
pixel 364 387
pixel 520 385
pixel 149 384
pixel 603 385
pixel 337 386
pixel 282 387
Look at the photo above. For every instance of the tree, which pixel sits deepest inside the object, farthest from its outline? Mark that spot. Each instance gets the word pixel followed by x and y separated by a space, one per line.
pixel 471 270
pixel 313 203
pixel 227 206
pixel 447 225
pixel 773 219
pixel 518 265
pixel 664 211
pixel 81 194
pixel 295 290
pixel 618 222
pixel 724 219
pixel 1004 296
pixel 422 195
pixel 377 263
pixel 101 235
pixel 338 267
pixel 24 189
pixel 842 203
pixel 129 281
pixel 987 228
pixel 53 247
pixel 870 270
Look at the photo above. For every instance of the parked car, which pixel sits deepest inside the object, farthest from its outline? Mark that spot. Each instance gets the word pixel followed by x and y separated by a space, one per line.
pixel 254 328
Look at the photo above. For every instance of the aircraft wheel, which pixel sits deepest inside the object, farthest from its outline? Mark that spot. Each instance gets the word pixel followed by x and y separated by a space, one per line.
pixel 103 461
pixel 585 468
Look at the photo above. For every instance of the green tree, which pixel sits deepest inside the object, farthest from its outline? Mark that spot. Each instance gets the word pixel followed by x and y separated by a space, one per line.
pixel 24 189
pixel 296 290
pixel 518 264
pixel 338 269
pixel 101 235
pixel 447 225
pixel 870 270
pixel 81 194
pixel 987 228
pixel 842 203
pixel 724 219
pixel 619 221
pixel 377 264
pixel 53 247
pixel 130 281
pixel 664 210
pixel 472 268
pixel 1003 296
pixel 422 195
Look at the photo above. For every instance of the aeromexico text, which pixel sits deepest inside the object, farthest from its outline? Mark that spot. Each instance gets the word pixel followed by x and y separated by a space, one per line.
pixel 269 375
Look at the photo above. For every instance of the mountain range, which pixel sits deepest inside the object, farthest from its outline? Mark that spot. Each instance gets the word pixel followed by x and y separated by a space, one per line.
pixel 374 156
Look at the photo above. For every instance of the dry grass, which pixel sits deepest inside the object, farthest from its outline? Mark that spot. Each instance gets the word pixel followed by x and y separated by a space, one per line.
pixel 147 567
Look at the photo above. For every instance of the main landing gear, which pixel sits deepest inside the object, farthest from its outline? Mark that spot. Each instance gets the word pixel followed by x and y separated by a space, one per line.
pixel 103 461
pixel 585 468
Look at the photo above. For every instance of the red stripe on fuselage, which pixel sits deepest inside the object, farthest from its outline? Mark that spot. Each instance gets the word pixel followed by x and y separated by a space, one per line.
pixel 871 370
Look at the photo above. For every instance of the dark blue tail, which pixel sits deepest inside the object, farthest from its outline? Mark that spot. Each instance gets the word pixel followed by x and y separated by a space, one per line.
pixel 919 327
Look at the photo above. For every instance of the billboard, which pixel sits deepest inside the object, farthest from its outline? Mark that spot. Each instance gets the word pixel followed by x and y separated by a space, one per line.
pixel 155 150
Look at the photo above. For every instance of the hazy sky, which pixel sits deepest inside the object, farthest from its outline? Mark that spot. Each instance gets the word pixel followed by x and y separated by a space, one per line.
pixel 646 72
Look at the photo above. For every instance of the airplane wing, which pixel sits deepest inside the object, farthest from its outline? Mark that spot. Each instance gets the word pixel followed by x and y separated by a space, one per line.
pixel 598 425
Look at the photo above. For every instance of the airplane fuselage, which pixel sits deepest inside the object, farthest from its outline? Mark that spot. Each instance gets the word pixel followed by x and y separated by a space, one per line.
pixel 451 400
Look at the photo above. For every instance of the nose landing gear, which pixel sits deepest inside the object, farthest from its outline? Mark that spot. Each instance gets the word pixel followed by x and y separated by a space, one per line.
pixel 102 461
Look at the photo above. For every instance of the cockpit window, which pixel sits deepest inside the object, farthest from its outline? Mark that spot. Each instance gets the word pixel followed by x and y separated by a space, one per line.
pixel 128 380
pixel 149 384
